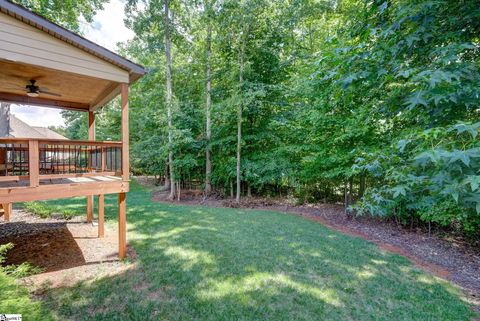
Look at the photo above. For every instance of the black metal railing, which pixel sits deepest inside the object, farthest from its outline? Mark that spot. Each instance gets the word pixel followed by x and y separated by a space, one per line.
pixel 57 158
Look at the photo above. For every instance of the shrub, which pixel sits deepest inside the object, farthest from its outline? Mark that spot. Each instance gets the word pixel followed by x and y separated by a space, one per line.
pixel 45 211
pixel 39 209
pixel 68 214
pixel 433 175
pixel 16 271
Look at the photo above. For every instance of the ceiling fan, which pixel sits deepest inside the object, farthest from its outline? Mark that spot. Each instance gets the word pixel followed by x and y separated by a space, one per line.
pixel 34 90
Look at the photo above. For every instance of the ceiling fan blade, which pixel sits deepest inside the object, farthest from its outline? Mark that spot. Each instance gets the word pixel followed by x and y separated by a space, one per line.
pixel 49 93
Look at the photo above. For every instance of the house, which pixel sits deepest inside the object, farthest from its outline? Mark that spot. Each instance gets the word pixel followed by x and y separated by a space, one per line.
pixel 12 126
pixel 44 64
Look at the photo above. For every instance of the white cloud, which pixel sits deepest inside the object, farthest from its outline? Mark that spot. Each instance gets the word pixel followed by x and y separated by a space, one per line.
pixel 38 116
pixel 107 29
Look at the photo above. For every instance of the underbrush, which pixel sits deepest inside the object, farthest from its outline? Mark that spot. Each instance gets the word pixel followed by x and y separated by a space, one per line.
pixel 432 177
pixel 45 210
pixel 16 271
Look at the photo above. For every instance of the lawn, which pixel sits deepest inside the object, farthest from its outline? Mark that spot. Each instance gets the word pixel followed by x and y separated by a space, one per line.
pixel 198 263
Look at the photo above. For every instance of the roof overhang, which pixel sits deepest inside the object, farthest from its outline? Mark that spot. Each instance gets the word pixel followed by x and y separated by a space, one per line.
pixel 23 14
pixel 69 60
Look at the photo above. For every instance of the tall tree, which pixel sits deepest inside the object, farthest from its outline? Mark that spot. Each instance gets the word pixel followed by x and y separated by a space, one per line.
pixel 168 97
pixel 241 58
pixel 66 12
pixel 208 104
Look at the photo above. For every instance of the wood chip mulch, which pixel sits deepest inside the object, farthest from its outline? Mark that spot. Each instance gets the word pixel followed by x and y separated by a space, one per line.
pixel 67 252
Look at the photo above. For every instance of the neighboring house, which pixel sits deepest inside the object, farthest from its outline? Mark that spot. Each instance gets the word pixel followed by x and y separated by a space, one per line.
pixel 14 161
pixel 11 126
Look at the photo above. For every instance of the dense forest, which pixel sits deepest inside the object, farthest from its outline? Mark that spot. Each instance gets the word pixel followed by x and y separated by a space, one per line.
pixel 371 103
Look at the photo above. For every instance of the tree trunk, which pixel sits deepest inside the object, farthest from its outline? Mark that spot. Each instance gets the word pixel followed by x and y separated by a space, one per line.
pixel 325 194
pixel 249 190
pixel 239 120
pixel 361 191
pixel 179 185
pixel 168 58
pixel 166 176
pixel 231 188
pixel 350 189
pixel 208 163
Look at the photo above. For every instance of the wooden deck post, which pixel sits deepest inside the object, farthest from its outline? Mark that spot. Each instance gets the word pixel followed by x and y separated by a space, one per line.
pixel 33 163
pixel 101 212
pixel 122 225
pixel 90 209
pixel 7 211
pixel 91 136
pixel 122 197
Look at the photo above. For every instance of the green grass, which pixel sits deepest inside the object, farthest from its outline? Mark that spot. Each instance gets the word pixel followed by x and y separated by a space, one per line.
pixel 198 263
pixel 14 298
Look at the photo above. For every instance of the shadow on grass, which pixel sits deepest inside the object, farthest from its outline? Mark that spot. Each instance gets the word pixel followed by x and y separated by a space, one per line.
pixel 198 263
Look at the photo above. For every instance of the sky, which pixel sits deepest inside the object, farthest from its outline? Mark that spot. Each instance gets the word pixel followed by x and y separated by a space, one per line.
pixel 107 29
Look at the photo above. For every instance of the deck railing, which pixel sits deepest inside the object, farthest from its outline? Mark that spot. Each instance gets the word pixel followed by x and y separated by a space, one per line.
pixel 38 159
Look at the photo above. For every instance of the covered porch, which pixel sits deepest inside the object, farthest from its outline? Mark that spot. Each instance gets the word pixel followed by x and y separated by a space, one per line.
pixel 46 65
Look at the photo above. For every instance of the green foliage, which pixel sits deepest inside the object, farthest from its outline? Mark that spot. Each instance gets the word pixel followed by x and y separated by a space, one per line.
pixel 39 209
pixel 45 210
pixel 15 299
pixel 68 214
pixel 324 84
pixel 67 13
pixel 433 174
pixel 4 248
pixel 15 271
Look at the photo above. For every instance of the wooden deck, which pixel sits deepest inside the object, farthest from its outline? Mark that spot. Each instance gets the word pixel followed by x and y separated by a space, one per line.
pixel 41 169
pixel 20 191
pixel 61 181
pixel 34 169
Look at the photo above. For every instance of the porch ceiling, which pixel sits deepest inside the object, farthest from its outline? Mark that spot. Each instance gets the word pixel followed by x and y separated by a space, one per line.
pixel 76 91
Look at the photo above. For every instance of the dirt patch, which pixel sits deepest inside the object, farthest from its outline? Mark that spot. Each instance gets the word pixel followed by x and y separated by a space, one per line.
pixel 67 251
pixel 449 259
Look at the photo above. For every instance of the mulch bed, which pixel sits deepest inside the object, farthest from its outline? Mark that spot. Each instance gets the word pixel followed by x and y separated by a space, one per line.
pixel 67 252
pixel 451 259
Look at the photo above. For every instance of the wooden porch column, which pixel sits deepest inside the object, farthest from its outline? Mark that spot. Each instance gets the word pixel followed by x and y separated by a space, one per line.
pixel 122 197
pixel 91 136
pixel 101 212
pixel 125 137
pixel 91 125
